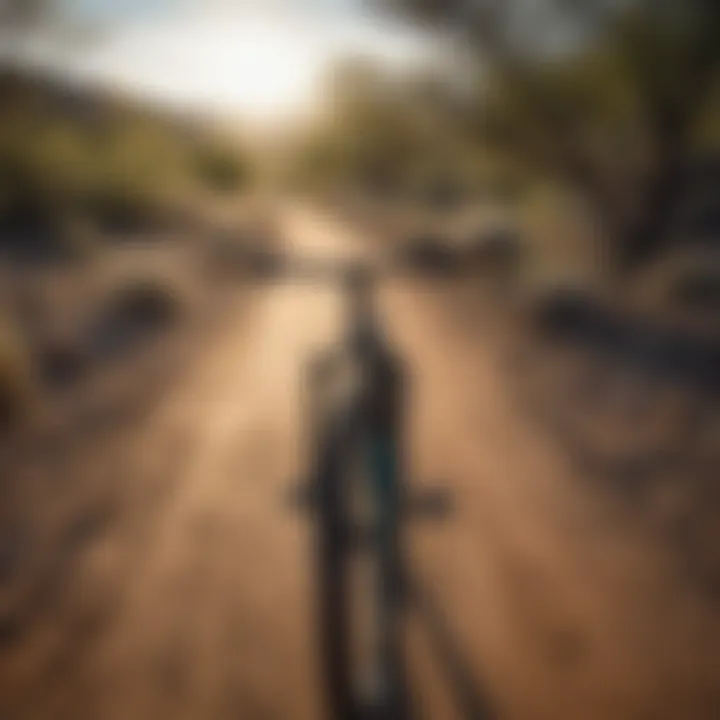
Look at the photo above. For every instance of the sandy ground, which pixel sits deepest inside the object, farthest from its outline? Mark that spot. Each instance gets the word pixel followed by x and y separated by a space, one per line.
pixel 165 578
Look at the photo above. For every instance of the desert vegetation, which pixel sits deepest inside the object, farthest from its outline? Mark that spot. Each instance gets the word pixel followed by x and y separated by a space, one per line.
pixel 82 172
pixel 76 163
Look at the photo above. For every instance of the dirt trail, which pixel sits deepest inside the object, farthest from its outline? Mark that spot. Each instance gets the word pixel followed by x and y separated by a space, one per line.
pixel 559 610
pixel 221 597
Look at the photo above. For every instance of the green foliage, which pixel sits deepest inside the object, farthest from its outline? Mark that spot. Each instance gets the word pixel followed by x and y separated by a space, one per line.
pixel 70 159
pixel 384 137
pixel 222 169
pixel 610 100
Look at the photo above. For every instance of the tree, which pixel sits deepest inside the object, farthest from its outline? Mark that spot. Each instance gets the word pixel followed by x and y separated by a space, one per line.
pixel 387 133
pixel 603 96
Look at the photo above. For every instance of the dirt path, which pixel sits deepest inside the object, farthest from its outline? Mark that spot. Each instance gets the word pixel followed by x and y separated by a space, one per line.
pixel 222 593
pixel 196 604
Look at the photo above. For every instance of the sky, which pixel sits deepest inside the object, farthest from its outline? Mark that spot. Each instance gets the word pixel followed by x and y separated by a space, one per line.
pixel 261 59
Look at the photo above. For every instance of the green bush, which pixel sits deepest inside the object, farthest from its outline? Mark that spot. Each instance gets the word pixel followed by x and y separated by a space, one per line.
pixel 221 170
pixel 100 163
pixel 57 173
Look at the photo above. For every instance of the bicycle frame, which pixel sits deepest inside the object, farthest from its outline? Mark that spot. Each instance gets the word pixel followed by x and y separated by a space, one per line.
pixel 357 453
pixel 357 443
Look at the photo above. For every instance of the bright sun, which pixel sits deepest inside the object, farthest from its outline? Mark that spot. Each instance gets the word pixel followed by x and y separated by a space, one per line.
pixel 247 65
pixel 262 65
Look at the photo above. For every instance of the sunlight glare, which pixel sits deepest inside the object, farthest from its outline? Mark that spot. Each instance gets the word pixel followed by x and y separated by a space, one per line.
pixel 262 65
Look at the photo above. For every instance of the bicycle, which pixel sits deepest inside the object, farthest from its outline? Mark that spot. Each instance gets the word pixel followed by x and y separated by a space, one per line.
pixel 359 498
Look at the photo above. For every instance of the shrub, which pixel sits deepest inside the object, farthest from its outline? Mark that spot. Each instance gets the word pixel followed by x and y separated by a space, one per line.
pixel 97 161
pixel 135 312
pixel 147 302
pixel 221 170
pixel 428 253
